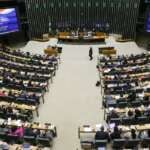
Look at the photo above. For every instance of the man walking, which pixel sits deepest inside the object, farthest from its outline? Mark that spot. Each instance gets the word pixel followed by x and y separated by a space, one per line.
pixel 91 53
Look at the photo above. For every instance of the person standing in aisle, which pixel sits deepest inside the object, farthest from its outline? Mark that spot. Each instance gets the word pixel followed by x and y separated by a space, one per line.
pixel 91 53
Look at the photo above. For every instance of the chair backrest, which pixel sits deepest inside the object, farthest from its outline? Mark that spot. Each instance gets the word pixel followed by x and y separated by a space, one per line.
pixel 13 139
pixel 118 143
pixel 143 120
pixel 136 103
pixel 132 143
pixel 128 121
pixel 145 143
pixel 59 49
pixel 43 141
pixel 111 103
pixel 100 143
pixel 122 104
pixel 30 139
pixel 2 135
pixel 117 121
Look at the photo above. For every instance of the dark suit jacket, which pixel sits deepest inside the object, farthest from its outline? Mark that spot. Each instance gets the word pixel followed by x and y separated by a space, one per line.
pixel 100 135
pixel 115 135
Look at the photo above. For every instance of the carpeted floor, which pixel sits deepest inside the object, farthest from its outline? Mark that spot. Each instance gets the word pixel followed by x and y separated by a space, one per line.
pixel 74 99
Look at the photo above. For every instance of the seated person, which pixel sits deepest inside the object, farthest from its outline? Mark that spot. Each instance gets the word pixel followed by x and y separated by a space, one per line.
pixel 23 94
pixel 132 96
pixel 10 93
pixel 130 113
pixel 137 113
pixel 29 131
pixel 9 110
pixel 133 134
pixel 130 134
pixel 116 134
pixel 21 83
pixel 2 93
pixel 114 114
pixel 4 146
pixel 143 134
pixel 42 134
pixel 29 83
pixel 49 134
pixel 102 135
pixel 148 133
pixel 17 131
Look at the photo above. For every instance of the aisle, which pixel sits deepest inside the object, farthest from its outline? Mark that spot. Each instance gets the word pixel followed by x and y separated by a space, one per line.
pixel 73 99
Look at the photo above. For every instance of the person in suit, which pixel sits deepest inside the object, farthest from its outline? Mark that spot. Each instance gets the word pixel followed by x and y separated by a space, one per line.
pixel 116 134
pixel 102 135
pixel 91 53
pixel 138 113
pixel 133 134
pixel 114 114
pixel 132 96
pixel 130 113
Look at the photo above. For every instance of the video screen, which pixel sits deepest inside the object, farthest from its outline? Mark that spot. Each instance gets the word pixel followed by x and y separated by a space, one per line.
pixel 148 23
pixel 8 21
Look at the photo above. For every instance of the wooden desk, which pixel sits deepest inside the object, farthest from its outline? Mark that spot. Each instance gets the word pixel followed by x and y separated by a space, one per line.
pixel 19 147
pixel 63 33
pixel 21 106
pixel 107 51
pixel 51 51
pixel 66 36
pixel 93 129
pixel 34 125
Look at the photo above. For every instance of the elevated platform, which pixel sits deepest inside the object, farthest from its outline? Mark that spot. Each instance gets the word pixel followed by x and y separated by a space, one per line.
pixel 82 37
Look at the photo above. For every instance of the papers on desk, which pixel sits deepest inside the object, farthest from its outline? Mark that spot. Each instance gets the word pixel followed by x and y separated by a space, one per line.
pixel 97 127
pixel 142 127
pixel 112 85
pixel 87 129
pixel 110 108
pixel 107 70
pixel 51 127
pixel 112 125
pixel 14 122
pixel 9 121
pixel 117 96
pixel 141 95
pixel 124 128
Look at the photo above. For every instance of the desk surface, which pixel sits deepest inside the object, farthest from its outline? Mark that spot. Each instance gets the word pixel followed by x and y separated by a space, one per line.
pixel 94 36
pixel 95 128
pixel 19 106
pixel 34 125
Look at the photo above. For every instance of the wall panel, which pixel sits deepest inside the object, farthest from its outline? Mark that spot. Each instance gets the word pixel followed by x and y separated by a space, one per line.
pixel 114 16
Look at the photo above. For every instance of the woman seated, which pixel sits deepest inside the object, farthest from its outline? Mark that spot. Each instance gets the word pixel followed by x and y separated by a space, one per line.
pixel 116 134
pixel 17 131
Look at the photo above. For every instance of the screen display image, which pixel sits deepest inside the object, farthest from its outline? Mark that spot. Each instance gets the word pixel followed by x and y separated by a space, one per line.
pixel 148 23
pixel 8 21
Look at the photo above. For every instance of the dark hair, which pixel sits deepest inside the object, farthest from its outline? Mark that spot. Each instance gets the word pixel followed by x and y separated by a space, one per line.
pixel 133 134
pixel 148 132
pixel 102 128
pixel 116 129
